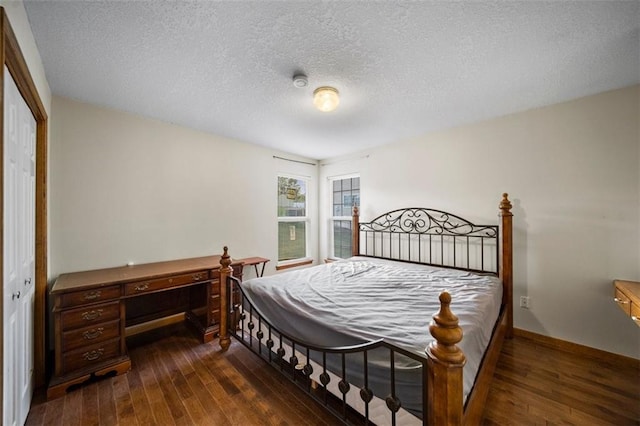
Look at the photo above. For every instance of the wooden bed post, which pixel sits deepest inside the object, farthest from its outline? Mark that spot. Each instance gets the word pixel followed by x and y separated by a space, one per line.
pixel 445 360
pixel 225 271
pixel 355 232
pixel 506 260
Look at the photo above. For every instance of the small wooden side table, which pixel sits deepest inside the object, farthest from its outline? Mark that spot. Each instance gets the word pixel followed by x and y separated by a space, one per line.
pixel 255 261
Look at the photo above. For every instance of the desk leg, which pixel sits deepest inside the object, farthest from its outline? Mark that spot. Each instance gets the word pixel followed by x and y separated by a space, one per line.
pixel 259 273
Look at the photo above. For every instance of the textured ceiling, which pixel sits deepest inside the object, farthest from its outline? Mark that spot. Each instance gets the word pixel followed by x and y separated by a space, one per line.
pixel 403 68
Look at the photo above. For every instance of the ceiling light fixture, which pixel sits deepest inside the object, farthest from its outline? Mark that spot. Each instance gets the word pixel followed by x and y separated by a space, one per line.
pixel 326 98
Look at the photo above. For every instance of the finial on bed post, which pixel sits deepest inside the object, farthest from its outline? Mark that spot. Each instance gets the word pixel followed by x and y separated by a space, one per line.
pixel 506 259
pixel 444 381
pixel 225 271
pixel 355 232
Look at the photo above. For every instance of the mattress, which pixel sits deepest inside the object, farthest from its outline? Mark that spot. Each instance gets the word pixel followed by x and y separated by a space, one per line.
pixel 363 299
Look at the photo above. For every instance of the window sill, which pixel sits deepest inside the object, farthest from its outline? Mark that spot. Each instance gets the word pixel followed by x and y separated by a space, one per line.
pixel 293 264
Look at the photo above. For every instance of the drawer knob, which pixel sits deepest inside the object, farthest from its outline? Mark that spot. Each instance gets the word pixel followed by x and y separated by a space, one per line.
pixel 92 334
pixel 93 355
pixel 635 318
pixel 197 277
pixel 620 301
pixel 92 295
pixel 141 287
pixel 92 315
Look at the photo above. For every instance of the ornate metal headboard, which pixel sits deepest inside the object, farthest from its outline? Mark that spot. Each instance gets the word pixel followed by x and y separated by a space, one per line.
pixel 429 236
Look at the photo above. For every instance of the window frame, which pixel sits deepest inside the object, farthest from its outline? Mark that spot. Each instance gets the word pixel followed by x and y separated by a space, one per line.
pixel 306 259
pixel 332 218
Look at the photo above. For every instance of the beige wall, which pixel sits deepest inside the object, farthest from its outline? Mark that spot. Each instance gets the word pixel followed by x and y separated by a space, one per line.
pixel 125 188
pixel 572 171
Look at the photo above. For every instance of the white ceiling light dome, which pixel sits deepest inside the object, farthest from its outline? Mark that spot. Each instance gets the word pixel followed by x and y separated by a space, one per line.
pixel 326 98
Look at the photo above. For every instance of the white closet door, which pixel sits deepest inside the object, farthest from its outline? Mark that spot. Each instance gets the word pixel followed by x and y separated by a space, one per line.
pixel 11 250
pixel 19 254
pixel 27 137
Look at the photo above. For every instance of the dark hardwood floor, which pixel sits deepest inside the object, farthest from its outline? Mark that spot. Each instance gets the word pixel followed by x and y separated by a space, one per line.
pixel 176 380
pixel 538 385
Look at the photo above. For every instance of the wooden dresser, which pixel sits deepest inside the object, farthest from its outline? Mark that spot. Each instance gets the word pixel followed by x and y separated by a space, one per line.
pixel 93 309
pixel 627 296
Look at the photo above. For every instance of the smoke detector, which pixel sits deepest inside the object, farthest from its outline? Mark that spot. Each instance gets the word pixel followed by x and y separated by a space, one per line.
pixel 300 80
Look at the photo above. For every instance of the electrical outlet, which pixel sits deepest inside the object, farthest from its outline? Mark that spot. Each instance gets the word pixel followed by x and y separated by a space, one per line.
pixel 525 302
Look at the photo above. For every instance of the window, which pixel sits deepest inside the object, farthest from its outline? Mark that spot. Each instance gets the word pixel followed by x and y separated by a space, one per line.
pixel 292 219
pixel 345 193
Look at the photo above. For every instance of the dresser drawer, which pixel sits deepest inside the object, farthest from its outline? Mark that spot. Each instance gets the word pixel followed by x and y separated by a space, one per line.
pixel 148 286
pixel 635 313
pixel 90 296
pixel 90 356
pixel 214 303
pixel 623 301
pixel 93 334
pixel 215 287
pixel 82 317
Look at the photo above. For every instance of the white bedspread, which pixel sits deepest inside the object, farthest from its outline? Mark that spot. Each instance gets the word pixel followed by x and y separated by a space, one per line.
pixel 363 299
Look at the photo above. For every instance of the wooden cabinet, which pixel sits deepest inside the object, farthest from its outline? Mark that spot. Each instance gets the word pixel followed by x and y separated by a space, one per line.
pixel 89 336
pixel 627 296
pixel 165 283
pixel 90 312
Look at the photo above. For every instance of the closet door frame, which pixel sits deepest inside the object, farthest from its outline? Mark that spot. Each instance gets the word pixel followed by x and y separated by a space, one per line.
pixel 13 58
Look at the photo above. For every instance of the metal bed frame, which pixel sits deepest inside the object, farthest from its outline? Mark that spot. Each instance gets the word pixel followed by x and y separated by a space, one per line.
pixel 414 235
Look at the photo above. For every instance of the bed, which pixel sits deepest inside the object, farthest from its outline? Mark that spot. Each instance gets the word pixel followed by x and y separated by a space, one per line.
pixel 353 333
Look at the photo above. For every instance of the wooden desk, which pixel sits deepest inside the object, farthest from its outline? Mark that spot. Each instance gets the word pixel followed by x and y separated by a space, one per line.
pixel 627 296
pixel 255 261
pixel 92 309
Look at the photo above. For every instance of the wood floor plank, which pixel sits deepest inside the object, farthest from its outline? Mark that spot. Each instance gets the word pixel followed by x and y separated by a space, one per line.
pixel 106 403
pixel 171 396
pixel 534 384
pixel 206 378
pixel 159 407
pixel 71 416
pixel 197 413
pixel 53 414
pixel 141 406
pixel 176 380
pixel 37 411
pixel 231 409
pixel 90 413
pixel 263 380
pixel 123 401
pixel 174 372
pixel 251 409
pixel 212 361
pixel 180 355
pixel 215 412
pixel 179 367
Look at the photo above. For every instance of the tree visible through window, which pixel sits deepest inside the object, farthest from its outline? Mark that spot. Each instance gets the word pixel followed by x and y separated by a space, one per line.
pixel 292 218
pixel 345 194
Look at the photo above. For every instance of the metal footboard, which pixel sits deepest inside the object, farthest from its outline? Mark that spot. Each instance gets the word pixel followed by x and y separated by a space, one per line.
pixel 370 383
